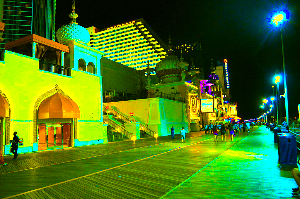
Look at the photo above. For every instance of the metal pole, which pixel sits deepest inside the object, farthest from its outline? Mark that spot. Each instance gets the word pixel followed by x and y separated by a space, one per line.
pixel 285 84
pixel 277 90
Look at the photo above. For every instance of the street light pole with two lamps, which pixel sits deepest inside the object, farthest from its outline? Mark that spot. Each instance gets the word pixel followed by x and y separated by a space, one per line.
pixel 278 20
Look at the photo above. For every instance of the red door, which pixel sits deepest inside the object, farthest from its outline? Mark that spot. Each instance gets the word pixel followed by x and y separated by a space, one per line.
pixel 42 137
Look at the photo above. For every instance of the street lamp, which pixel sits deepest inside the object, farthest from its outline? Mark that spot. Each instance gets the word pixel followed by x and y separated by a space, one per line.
pixel 278 19
pixel 277 81
pixel 265 101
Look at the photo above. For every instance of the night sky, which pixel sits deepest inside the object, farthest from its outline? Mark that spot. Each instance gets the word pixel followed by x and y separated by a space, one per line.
pixel 234 29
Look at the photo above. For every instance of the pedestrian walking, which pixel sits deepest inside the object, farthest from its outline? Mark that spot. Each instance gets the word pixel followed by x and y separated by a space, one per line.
pixel 223 131
pixel 206 128
pixel 172 132
pixel 244 127
pixel 182 132
pixel 15 145
pixel 231 131
pixel 211 126
pixel 215 131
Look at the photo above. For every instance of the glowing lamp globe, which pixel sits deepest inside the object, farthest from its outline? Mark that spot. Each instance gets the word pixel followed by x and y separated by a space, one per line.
pixel 272 99
pixel 277 79
pixel 279 17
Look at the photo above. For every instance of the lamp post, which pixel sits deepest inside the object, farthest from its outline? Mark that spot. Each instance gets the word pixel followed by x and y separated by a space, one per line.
pixel 278 20
pixel 272 106
pixel 277 81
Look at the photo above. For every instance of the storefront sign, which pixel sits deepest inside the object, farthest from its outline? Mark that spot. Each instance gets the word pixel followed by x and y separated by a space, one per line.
pixel 207 106
pixel 194 106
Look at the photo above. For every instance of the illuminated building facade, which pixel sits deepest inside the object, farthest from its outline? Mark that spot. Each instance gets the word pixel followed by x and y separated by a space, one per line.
pixel 133 44
pixel 172 73
pixel 27 17
pixel 56 98
pixel 222 70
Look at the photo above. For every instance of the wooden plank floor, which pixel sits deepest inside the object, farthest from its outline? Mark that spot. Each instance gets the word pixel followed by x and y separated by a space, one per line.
pixel 148 169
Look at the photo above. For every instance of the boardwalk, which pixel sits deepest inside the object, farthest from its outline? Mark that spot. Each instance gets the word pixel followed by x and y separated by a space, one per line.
pixel 149 168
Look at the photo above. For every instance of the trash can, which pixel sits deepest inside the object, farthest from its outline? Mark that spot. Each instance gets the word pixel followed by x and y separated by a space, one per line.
pixel 287 149
pixel 276 131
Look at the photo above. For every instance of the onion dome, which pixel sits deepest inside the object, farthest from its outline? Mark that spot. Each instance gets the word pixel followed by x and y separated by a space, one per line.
pixel 167 69
pixel 73 31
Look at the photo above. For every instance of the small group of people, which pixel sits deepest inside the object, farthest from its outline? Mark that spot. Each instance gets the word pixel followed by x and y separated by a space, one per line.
pixel 182 133
pixel 223 128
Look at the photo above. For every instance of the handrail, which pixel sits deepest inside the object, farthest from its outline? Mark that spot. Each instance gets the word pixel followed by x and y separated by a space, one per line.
pixel 134 119
pixel 152 133
pixel 123 115
pixel 118 127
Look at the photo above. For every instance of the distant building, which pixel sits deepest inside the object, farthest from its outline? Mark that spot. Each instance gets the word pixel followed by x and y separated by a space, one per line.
pixel 27 17
pixel 121 82
pixel 222 70
pixel 133 44
pixel 192 53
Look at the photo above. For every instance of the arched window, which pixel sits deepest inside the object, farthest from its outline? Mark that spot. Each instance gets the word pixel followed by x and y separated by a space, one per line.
pixel 91 68
pixel 81 65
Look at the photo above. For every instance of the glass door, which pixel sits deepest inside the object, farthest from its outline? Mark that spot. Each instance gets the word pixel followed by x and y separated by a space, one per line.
pixel 54 136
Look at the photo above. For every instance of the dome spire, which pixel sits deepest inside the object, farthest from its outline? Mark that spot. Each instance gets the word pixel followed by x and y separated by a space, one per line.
pixel 73 31
pixel 73 15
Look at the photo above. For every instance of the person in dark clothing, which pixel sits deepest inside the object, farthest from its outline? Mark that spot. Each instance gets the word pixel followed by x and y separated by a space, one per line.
pixel 231 131
pixel 15 145
pixel 223 131
pixel 172 132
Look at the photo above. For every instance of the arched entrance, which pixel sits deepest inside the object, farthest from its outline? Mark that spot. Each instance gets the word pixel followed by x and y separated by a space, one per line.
pixel 4 122
pixel 56 116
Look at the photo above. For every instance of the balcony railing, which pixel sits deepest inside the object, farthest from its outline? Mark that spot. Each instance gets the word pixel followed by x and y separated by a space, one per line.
pixel 170 96
pixel 54 68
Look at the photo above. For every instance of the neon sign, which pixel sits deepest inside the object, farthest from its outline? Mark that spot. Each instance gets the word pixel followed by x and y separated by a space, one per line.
pixel 226 73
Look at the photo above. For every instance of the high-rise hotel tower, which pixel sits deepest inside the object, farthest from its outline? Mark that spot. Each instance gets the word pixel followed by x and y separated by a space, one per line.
pixel 133 44
pixel 27 17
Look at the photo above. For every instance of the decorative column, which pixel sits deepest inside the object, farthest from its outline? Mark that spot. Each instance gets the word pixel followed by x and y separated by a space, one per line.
pixel 33 49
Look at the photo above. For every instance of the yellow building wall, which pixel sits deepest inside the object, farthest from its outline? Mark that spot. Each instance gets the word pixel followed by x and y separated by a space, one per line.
pixel 23 83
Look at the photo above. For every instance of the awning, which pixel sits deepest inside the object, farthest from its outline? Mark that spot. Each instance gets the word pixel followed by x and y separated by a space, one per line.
pixel 3 107
pixel 58 106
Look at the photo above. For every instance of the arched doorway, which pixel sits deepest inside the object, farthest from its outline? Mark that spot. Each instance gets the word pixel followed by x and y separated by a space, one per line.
pixel 55 120
pixel 4 122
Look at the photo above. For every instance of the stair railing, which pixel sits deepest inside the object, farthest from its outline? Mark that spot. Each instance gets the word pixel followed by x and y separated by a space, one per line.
pixel 118 127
